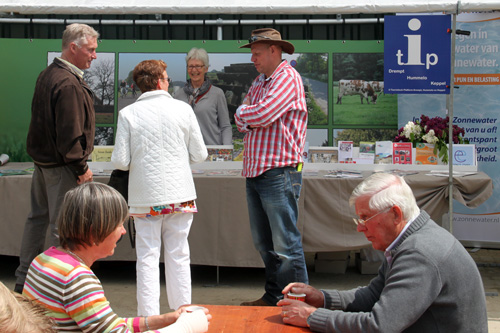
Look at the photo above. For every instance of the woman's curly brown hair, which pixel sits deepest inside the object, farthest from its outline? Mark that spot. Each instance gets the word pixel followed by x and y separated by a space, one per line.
pixel 147 73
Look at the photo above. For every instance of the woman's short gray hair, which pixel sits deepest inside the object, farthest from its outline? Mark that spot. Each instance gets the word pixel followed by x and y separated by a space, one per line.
pixel 79 34
pixel 386 190
pixel 198 54
pixel 90 212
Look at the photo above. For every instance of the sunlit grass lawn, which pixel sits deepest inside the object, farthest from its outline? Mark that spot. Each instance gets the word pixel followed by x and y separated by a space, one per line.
pixel 352 112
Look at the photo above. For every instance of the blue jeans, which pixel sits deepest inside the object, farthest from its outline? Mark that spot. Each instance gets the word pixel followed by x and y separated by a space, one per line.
pixel 273 199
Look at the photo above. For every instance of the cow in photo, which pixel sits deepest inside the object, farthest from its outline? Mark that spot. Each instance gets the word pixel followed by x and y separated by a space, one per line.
pixel 378 86
pixel 356 87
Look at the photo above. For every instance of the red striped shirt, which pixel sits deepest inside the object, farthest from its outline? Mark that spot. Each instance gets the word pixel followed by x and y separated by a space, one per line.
pixel 278 116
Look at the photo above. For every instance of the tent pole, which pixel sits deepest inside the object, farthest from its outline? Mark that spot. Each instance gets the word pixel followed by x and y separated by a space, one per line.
pixel 450 123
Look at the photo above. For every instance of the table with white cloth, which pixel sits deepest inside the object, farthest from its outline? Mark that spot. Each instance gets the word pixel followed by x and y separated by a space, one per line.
pixel 220 234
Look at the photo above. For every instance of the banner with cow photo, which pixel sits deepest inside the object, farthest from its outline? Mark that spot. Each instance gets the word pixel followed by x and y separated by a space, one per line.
pixel 361 109
pixel 476 109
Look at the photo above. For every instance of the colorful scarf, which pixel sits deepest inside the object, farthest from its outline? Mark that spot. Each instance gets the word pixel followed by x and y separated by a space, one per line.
pixel 194 95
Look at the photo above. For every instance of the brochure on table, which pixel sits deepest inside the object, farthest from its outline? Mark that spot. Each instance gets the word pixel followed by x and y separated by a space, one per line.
pixel 424 154
pixel 383 152
pixel 105 168
pixel 346 151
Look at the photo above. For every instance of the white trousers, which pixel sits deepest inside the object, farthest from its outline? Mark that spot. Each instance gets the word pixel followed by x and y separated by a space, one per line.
pixel 173 230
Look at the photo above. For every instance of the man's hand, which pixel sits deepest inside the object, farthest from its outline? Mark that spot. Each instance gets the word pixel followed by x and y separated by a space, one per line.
pixel 314 297
pixel 86 177
pixel 295 312
pixel 246 100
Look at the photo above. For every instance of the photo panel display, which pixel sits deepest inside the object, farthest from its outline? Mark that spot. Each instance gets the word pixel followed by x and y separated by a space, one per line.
pixel 358 91
pixel 104 136
pixel 313 67
pixel 128 92
pixel 230 68
pixel 234 74
pixel 317 137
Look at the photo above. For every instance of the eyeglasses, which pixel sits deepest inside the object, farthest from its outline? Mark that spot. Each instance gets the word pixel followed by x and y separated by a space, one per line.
pixel 256 38
pixel 363 222
pixel 169 80
pixel 198 67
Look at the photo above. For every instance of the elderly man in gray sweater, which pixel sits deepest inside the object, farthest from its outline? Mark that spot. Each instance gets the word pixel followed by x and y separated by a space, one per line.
pixel 427 282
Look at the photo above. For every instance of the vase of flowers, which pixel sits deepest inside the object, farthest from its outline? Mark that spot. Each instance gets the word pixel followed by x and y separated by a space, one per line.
pixel 431 130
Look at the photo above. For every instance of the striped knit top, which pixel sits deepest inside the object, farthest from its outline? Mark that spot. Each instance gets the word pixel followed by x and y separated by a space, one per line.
pixel 73 294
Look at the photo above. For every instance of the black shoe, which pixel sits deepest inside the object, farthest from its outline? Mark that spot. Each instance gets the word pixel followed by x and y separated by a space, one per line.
pixel 19 288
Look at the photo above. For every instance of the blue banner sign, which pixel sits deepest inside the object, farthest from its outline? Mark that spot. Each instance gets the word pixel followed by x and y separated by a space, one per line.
pixel 417 52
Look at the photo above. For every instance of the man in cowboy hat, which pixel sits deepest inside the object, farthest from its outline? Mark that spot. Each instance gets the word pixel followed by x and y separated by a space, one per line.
pixel 273 117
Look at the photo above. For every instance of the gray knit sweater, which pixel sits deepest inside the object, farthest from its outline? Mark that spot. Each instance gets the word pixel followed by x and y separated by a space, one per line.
pixel 213 116
pixel 433 285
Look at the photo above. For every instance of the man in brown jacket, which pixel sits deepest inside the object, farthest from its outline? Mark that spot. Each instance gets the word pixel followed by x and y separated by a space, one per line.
pixel 60 139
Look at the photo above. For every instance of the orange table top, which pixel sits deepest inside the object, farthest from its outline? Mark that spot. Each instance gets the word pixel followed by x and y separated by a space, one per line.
pixel 261 319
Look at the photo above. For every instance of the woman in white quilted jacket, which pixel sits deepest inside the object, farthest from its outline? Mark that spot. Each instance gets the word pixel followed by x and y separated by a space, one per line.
pixel 157 139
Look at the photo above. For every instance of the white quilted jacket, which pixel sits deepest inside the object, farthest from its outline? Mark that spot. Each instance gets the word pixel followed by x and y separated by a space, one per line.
pixel 157 139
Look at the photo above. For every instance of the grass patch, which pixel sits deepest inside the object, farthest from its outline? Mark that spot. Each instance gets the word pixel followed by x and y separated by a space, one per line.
pixel 352 112
pixel 16 149
pixel 104 118
pixel 316 114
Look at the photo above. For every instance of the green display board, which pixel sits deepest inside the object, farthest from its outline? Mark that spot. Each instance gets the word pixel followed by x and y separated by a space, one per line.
pixel 322 64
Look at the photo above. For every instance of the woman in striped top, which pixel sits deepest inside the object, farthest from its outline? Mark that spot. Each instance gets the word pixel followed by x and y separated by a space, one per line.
pixel 90 224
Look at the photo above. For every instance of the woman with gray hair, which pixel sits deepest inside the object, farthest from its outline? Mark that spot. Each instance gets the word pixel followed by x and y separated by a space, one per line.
pixel 90 224
pixel 208 101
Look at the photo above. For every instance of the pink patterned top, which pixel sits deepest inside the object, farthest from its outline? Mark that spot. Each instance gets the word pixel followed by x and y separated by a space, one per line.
pixel 175 208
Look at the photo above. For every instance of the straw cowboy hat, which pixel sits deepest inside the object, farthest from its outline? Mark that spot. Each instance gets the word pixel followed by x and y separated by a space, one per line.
pixel 269 36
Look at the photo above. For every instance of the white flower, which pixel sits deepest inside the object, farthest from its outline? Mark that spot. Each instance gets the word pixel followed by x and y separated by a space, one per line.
pixel 430 137
pixel 411 128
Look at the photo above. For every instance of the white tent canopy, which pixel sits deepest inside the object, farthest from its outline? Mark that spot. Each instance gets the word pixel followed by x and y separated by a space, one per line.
pixel 299 7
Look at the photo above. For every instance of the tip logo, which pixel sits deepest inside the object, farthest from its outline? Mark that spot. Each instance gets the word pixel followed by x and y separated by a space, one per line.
pixel 414 54
pixel 417 53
